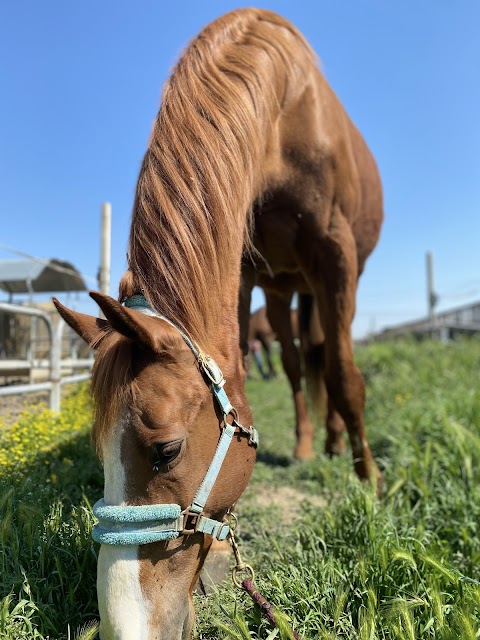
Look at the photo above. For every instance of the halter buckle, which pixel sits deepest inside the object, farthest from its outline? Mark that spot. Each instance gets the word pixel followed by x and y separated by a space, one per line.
pixel 190 517
pixel 211 369
pixel 202 524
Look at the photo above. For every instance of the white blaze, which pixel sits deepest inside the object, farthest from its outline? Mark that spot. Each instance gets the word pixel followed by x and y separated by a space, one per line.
pixel 123 608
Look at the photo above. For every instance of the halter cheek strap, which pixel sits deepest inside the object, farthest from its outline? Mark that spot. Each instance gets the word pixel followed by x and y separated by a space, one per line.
pixel 143 524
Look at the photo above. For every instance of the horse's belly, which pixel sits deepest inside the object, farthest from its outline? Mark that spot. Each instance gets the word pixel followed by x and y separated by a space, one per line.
pixel 275 241
pixel 276 261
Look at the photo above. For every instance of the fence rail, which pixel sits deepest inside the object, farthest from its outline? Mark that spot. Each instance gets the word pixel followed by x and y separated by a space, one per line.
pixel 54 364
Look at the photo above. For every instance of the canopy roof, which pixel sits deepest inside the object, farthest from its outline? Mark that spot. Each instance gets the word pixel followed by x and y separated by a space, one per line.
pixel 29 276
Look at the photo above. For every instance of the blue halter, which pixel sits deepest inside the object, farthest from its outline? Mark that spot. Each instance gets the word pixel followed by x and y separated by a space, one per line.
pixel 135 525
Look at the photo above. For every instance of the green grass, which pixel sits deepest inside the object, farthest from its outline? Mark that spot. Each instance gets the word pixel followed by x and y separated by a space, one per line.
pixel 336 561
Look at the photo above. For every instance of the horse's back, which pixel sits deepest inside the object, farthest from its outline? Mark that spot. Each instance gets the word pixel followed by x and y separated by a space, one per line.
pixel 319 166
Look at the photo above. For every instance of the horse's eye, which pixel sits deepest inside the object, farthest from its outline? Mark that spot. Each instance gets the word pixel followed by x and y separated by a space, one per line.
pixel 164 453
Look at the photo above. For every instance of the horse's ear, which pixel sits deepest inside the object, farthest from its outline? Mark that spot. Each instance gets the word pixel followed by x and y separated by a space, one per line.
pixel 132 324
pixel 88 327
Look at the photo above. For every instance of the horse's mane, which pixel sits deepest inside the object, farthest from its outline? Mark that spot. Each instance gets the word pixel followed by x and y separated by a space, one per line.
pixel 202 169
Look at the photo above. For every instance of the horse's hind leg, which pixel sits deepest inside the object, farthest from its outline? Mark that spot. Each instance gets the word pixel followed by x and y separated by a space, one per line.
pixel 267 350
pixel 255 349
pixel 278 311
pixel 334 444
pixel 330 265
pixel 247 283
pixel 313 346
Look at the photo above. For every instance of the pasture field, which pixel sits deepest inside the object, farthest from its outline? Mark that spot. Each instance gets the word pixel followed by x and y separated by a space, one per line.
pixel 338 562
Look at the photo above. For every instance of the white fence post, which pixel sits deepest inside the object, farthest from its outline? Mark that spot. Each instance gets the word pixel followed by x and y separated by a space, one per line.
pixel 55 371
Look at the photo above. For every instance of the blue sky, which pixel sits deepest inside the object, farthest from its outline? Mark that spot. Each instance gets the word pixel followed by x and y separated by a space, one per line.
pixel 81 85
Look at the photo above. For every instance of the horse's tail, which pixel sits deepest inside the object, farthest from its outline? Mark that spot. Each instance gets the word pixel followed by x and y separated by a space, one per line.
pixel 313 353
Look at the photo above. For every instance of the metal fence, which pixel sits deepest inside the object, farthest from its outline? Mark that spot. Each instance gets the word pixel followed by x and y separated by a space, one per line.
pixel 54 363
pixel 444 325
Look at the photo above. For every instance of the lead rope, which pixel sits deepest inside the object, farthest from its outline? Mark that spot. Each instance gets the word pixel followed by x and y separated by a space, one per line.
pixel 248 584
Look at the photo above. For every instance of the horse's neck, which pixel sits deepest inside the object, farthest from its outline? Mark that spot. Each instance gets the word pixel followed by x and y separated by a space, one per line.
pixel 223 321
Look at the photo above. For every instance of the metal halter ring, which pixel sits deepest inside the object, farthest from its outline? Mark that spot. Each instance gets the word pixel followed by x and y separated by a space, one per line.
pixel 232 520
pixel 235 420
pixel 234 413
pixel 239 569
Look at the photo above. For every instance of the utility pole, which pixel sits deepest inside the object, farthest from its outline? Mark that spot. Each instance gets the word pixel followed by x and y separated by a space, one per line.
pixel 432 297
pixel 105 249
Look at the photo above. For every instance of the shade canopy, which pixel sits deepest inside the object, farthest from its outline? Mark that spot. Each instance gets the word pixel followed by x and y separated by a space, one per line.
pixel 46 276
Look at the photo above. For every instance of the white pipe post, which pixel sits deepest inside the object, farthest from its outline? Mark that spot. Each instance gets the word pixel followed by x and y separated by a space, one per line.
pixel 105 249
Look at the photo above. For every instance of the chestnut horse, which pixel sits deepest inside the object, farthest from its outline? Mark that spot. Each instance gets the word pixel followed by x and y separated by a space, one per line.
pixel 251 152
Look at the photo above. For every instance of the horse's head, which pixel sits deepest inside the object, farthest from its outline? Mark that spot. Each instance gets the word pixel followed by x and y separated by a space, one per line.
pixel 160 416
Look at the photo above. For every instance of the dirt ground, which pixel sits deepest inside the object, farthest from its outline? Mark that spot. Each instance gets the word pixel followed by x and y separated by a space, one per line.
pixel 12 406
pixel 288 499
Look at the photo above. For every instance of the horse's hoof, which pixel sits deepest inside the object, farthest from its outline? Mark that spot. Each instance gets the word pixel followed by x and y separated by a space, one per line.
pixel 374 478
pixel 379 482
pixel 304 453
